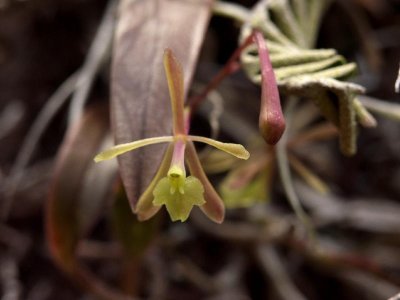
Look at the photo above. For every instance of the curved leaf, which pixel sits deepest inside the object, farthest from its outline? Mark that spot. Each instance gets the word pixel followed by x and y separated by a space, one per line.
pixel 79 187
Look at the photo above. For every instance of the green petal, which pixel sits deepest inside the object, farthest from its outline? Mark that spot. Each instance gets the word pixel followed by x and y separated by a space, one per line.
pixel 161 192
pixel 122 148
pixel 194 191
pixel 179 205
pixel 234 149
pixel 144 207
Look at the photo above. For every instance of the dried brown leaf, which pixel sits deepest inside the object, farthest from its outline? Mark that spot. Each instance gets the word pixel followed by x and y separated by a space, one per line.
pixel 79 187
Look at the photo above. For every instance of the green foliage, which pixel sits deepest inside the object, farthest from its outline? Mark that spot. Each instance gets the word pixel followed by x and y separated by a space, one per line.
pixel 245 195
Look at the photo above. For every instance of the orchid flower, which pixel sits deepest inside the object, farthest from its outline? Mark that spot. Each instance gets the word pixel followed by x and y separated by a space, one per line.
pixel 171 186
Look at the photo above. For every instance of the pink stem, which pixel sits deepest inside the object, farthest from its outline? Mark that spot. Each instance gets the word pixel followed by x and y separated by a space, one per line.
pixel 230 67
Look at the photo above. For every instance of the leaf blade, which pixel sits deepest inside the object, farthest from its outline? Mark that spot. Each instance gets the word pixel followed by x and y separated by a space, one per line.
pixel 70 210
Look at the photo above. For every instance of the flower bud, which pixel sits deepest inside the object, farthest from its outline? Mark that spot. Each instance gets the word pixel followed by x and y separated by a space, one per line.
pixel 271 120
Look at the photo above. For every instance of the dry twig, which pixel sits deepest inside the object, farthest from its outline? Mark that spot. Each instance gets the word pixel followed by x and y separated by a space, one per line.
pixel 274 269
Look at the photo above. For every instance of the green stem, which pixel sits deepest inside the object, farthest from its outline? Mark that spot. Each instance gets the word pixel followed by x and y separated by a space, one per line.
pixel 386 109
pixel 316 10
pixel 300 12
pixel 230 10
pixel 285 174
pixel 288 23
pixel 363 115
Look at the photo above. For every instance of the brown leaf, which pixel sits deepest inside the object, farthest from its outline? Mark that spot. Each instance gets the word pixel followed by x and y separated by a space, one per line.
pixel 79 187
pixel 140 99
pixel 376 8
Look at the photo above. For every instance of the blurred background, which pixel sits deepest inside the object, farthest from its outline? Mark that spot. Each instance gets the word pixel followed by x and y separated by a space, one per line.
pixel 261 251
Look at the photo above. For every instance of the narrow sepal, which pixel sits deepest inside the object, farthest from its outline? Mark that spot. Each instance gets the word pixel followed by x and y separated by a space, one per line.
pixel 214 206
pixel 237 150
pixel 122 148
pixel 144 207
pixel 174 74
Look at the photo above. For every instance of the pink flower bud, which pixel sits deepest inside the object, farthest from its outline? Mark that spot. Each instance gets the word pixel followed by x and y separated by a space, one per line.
pixel 271 120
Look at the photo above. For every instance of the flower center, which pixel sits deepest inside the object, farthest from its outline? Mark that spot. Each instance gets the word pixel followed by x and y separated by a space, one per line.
pixel 177 176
